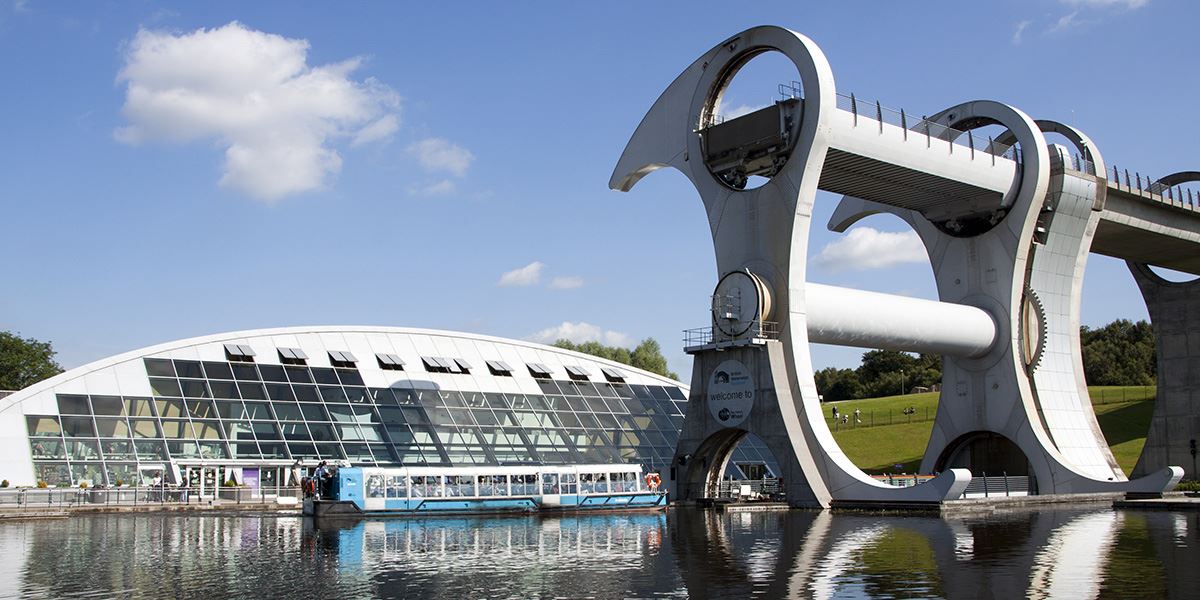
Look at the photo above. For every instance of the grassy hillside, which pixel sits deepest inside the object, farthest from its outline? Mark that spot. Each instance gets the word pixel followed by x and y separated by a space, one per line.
pixel 1123 412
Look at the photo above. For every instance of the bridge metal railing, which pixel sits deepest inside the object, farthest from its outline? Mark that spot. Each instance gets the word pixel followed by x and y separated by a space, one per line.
pixel 921 128
pixel 701 336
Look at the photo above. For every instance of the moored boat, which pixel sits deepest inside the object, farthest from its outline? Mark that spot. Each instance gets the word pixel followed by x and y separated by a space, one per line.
pixel 378 491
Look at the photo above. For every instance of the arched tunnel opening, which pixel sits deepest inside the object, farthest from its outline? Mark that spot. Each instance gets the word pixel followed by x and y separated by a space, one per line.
pixel 734 465
pixel 990 456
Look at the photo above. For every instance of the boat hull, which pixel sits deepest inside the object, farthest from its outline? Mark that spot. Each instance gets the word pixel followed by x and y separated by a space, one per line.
pixel 487 506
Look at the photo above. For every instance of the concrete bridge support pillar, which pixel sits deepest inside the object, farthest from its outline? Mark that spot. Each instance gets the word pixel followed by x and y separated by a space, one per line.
pixel 1175 427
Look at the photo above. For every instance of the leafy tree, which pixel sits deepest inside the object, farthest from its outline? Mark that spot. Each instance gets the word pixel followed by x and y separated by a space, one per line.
pixel 1120 353
pixel 646 356
pixel 838 384
pixel 24 361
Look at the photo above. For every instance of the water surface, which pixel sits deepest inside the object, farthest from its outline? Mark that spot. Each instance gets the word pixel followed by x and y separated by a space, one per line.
pixel 1096 553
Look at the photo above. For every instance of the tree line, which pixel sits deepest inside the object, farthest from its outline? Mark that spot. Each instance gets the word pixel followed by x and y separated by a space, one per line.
pixel 1119 353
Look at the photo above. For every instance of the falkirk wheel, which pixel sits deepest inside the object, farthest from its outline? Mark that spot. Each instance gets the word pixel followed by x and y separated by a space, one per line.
pixel 1007 224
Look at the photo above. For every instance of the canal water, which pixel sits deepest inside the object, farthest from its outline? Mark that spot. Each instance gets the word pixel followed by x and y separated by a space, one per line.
pixel 1094 553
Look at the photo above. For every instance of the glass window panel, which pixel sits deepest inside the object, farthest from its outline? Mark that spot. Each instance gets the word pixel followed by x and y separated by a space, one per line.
pixel 244 372
pixel 428 397
pixel 150 449
pixel 244 450
pixel 358 452
pixel 252 391
pixel 83 449
pixel 357 395
pixel 170 408
pixel 218 370
pixel 439 416
pixel 189 368
pixel 607 421
pixel 641 392
pixel 548 387
pixel 176 429
pixel 588 420
pixel 350 377
pixel 237 430
pixel 606 390
pixel 121 473
pixel 230 409
pixel 43 426
pixel 258 411
pixel 306 393
pixel 295 431
pixel 288 411
pixel 78 427
pixel 555 402
pixel 213 450
pixel 577 404
pixel 326 376
pixel 108 405
pixel 675 393
pixel 73 405
pixel 266 431
pixel 506 418
pixel 615 405
pixel 349 433
pixel 314 412
pixel 596 405
pixel 139 407
pixel 303 451
pixel 568 419
pixel 409 455
pixel 114 428
pixel 48 448
pixel 117 449
pixel 496 400
pixel 298 375
pixel 187 449
pixel 207 430
pixel 658 392
pixel 145 428
pixel 391 414
pixel 453 399
pixel 527 419
pixel 273 450
pixel 52 473
pixel 519 402
pixel 383 396
pixel 159 367
pixel 272 373
pixel 223 389
pixel 341 412
pixel 634 406
pixel 406 397
pixel 93 473
pixel 280 391
pixel 333 393
pixel 371 433
pixel 400 434
pixel 165 387
pixel 414 415
pixel 485 417
pixel 202 409
pixel 322 432
pixel 331 451
pixel 424 437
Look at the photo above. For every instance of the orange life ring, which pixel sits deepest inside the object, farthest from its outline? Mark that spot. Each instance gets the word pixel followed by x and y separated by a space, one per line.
pixel 653 480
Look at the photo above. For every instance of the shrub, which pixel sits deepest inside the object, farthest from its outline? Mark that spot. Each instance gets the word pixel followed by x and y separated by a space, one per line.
pixel 83 485
pixel 1190 485
pixel 4 484
pixel 42 484
pixel 120 482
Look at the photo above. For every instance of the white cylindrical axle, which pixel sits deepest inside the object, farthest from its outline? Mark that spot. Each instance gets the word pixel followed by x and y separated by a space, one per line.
pixel 848 317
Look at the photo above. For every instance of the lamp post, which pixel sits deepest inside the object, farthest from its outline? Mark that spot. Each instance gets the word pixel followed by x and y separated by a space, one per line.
pixel 901 382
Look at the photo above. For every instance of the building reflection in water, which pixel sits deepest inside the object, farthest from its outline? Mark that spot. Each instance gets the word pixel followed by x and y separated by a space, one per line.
pixel 681 553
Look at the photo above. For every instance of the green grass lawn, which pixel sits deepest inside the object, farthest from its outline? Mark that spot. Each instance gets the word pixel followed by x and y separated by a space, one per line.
pixel 1123 412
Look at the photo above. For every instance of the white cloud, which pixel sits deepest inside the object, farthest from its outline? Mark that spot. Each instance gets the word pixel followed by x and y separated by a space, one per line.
pixel 1020 31
pixel 255 95
pixel 1066 21
pixel 529 274
pixel 439 188
pixel 581 332
pixel 20 6
pixel 864 248
pixel 571 282
pixel 438 155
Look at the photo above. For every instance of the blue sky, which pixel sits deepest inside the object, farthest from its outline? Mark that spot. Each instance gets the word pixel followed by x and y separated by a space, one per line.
pixel 171 170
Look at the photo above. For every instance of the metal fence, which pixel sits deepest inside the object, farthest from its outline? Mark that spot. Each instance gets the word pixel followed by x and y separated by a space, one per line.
pixel 982 486
pixel 920 128
pixel 66 497
pixel 766 488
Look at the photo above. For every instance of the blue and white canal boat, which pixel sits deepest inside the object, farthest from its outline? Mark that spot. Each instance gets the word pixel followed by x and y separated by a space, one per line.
pixel 378 491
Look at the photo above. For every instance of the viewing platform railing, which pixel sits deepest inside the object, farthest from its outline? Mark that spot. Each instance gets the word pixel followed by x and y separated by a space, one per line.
pixel 67 497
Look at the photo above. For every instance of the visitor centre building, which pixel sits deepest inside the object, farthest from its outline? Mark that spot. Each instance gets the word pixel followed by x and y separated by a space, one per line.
pixel 260 407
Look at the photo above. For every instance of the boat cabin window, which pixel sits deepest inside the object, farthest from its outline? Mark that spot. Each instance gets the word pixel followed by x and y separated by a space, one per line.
pixel 550 483
pixel 396 486
pixel 624 482
pixel 593 483
pixel 525 485
pixel 460 485
pixel 493 485
pixel 375 488
pixel 425 486
pixel 567 483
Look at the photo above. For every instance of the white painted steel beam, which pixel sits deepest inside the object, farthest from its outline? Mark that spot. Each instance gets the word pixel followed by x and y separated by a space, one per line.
pixel 849 317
